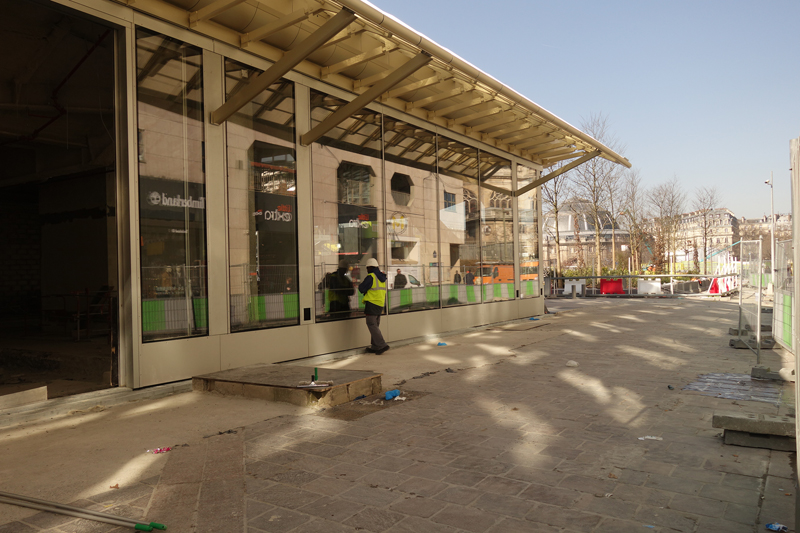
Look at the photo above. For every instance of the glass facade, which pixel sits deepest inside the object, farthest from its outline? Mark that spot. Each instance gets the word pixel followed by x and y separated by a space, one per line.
pixel 436 213
pixel 497 229
pixel 348 198
pixel 528 207
pixel 172 198
pixel 459 222
pixel 411 212
pixel 262 206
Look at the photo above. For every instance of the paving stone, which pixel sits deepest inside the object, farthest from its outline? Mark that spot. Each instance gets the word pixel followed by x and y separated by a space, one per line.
pixel 698 474
pixel 698 506
pixel 615 525
pixel 89 526
pixel 731 494
pixel 348 471
pixel 572 519
pixel 45 520
pixel 294 477
pixel 503 505
pixel 598 503
pixel 511 525
pixel 357 457
pixel 374 496
pixel 285 496
pixel 376 520
pixel 418 506
pixel 780 465
pixel 642 495
pixel 486 466
pixel 255 508
pixel 671 484
pixel 391 464
pixel 324 526
pixel 752 468
pixel 18 527
pixel 386 480
pixel 724 526
pixel 742 482
pixel 278 520
pixel 458 495
pixel 421 486
pixel 423 455
pixel 676 520
pixel 550 495
pixel 465 477
pixel 328 486
pixel 501 485
pixel 587 484
pixel 744 514
pixel 333 509
pixel 631 477
pixel 414 524
pixel 465 518
pixel 428 471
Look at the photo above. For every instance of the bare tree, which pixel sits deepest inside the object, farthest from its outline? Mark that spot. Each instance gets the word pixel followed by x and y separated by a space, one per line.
pixel 592 178
pixel 706 199
pixel 554 194
pixel 614 195
pixel 634 214
pixel 576 224
pixel 667 202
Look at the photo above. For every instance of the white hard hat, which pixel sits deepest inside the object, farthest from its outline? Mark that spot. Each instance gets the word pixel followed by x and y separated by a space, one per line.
pixel 372 262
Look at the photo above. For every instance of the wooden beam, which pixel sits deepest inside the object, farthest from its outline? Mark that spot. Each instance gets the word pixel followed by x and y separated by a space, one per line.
pixel 278 24
pixel 289 60
pixel 511 129
pixel 475 116
pixel 433 99
pixel 363 57
pixel 212 10
pixel 417 85
pixel 566 168
pixel 492 124
pixel 341 114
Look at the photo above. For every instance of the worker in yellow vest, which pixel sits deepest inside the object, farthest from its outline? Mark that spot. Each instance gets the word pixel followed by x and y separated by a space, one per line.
pixel 374 290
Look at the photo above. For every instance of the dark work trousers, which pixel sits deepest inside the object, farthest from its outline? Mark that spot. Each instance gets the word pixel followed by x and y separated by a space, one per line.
pixel 374 326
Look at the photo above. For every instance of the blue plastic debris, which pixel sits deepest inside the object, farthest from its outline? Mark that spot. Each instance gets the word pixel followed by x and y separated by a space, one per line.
pixel 442 344
pixel 532 318
pixel 777 527
pixel 390 394
pixel 651 527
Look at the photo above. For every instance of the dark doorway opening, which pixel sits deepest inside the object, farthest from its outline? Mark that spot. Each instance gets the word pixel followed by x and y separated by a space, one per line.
pixel 58 247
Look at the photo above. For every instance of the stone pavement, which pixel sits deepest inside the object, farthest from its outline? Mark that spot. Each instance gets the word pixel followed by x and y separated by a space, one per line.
pixel 512 441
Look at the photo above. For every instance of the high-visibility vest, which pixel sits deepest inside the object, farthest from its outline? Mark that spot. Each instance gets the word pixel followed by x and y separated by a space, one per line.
pixel 377 293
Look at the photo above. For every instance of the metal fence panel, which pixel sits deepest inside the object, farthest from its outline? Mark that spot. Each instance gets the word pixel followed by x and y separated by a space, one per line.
pixel 751 287
pixel 783 306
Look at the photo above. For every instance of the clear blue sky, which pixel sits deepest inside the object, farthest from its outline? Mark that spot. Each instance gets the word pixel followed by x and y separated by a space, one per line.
pixel 707 91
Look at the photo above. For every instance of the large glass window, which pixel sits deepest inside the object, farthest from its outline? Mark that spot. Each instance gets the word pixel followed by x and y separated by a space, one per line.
pixel 348 206
pixel 528 234
pixel 497 228
pixel 411 213
pixel 172 197
pixel 262 207
pixel 459 224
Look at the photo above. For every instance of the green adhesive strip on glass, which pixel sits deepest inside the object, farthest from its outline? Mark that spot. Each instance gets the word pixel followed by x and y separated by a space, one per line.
pixel 256 311
pixel 327 301
pixel 454 292
pixel 360 299
pixel 154 317
pixel 432 294
pixel 200 306
pixel 406 297
pixel 787 320
pixel 471 296
pixel 528 288
pixel 291 305
pixel 498 290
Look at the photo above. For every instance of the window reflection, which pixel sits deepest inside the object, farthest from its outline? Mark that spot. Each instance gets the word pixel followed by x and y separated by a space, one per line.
pixel 497 229
pixel 262 205
pixel 411 210
pixel 459 222
pixel 528 234
pixel 348 205
pixel 171 187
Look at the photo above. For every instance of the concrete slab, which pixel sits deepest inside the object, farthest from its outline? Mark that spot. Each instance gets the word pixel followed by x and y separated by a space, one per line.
pixel 281 383
pixel 763 424
pixel 756 440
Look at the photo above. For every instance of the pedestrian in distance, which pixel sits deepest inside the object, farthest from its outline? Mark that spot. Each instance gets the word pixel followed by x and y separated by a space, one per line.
pixel 469 279
pixel 374 290
pixel 400 280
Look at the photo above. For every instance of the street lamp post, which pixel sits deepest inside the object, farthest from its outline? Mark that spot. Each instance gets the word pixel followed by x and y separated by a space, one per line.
pixel 772 229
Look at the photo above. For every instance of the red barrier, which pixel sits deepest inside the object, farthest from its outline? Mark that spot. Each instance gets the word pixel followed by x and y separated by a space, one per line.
pixel 611 286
